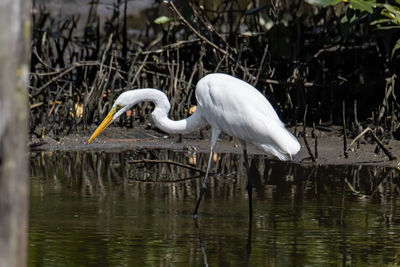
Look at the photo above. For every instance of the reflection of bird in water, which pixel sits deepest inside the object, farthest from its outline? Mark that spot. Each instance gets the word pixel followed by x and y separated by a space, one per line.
pixel 228 105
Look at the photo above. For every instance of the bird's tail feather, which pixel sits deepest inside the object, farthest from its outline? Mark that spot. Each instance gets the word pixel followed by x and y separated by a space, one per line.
pixel 283 151
pixel 273 151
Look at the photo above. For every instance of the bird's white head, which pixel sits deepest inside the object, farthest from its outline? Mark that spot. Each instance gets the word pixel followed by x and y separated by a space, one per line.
pixel 130 98
pixel 120 106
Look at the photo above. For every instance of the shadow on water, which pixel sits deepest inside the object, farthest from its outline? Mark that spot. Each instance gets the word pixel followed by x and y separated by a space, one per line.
pixel 100 209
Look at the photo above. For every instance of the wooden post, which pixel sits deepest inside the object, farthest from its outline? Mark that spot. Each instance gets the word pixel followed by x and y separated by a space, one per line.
pixel 14 186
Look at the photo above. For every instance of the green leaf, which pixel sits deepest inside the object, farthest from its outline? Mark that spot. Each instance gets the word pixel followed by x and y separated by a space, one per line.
pixel 163 20
pixel 393 13
pixel 388 27
pixel 397 46
pixel 349 17
pixel 391 8
pixel 363 5
pixel 380 21
pixel 324 3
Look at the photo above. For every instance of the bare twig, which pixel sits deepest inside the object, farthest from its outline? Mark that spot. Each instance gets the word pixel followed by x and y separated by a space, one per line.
pixel 210 27
pixel 304 136
pixel 344 131
pixel 169 46
pixel 168 162
pixel 358 137
pixel 356 192
pixel 187 24
pixel 224 52
pixel 376 139
pixel 308 148
pixel 60 74
pixel 260 67
pixel 168 181
pixel 357 123
pixel 389 90
pixel 315 142
pixel 383 147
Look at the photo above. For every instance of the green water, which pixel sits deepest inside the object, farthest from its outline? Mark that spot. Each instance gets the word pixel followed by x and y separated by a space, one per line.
pixel 97 209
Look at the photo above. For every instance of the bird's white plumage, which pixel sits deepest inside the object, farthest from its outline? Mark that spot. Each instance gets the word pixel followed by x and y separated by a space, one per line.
pixel 226 103
pixel 238 109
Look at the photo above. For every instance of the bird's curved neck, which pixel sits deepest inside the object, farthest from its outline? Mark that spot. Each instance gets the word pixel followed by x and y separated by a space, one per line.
pixel 160 113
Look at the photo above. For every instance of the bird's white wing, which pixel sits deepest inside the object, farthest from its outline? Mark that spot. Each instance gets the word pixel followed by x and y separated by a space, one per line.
pixel 240 110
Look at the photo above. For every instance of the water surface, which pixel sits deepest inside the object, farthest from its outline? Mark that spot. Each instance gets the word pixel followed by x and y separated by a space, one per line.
pixel 98 209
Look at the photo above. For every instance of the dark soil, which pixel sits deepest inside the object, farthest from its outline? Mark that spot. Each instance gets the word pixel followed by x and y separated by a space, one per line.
pixel 115 139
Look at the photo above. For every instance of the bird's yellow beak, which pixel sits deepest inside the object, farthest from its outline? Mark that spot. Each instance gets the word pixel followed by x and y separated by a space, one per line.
pixel 107 120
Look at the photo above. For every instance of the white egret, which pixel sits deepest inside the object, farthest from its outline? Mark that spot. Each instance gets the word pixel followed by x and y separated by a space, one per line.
pixel 228 105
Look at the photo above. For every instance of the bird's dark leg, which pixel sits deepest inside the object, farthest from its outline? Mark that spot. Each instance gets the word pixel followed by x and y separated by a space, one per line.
pixel 202 243
pixel 249 181
pixel 204 184
pixel 215 132
pixel 249 191
pixel 248 244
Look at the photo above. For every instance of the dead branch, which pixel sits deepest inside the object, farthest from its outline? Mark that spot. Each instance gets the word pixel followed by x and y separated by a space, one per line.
pixel 168 162
pixel 308 147
pixel 169 181
pixel 376 139
pixel 224 52
pixel 344 131
pixel 358 137
pixel 64 72
pixel 355 192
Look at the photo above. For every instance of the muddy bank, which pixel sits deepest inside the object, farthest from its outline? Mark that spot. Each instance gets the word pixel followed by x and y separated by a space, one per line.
pixel 115 139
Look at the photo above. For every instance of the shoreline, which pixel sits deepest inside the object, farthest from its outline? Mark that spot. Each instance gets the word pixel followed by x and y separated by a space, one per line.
pixel 116 139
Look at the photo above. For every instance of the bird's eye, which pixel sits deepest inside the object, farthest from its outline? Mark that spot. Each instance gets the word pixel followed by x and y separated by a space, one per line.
pixel 118 107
